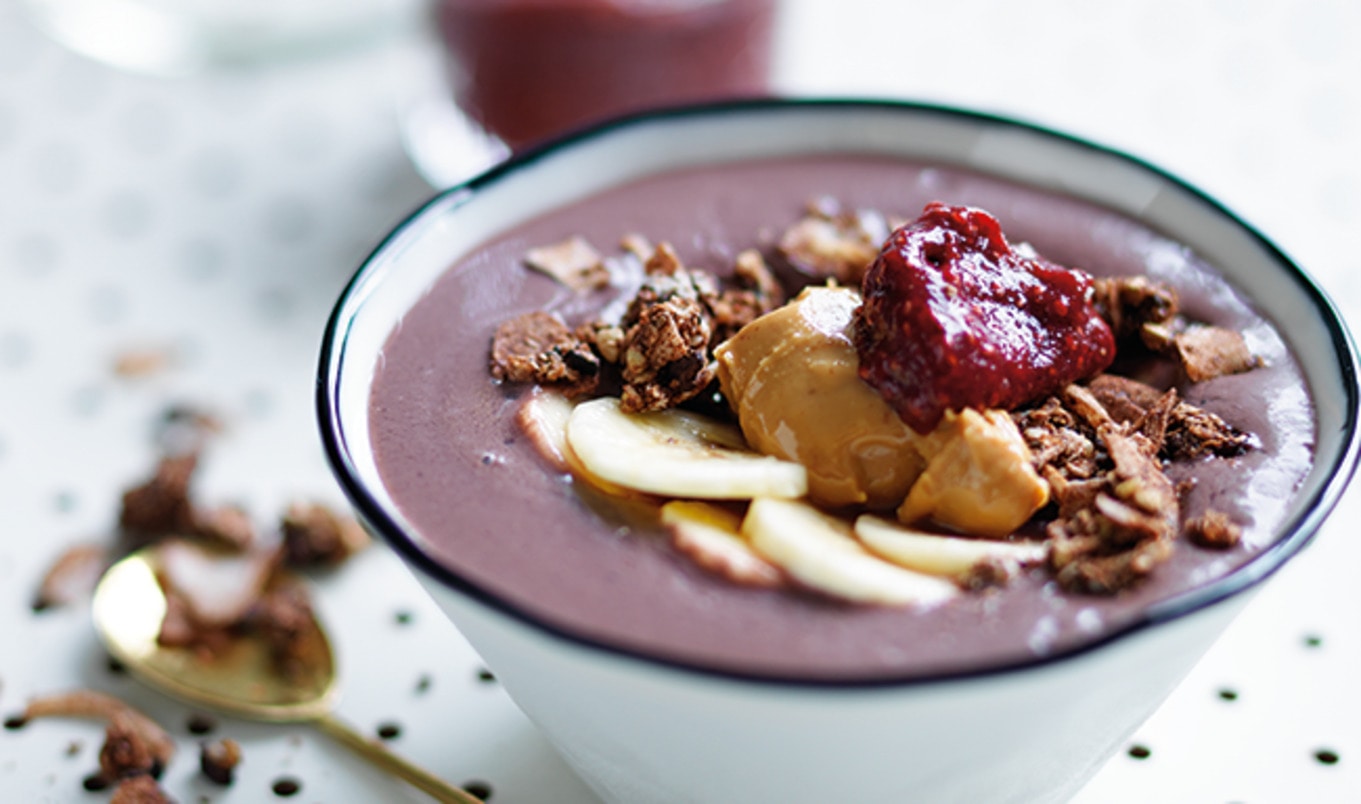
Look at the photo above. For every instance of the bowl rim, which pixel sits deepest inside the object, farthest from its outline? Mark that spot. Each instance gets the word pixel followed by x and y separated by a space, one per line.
pixel 1296 532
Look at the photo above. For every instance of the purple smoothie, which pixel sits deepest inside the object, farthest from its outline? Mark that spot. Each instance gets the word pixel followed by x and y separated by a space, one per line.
pixel 484 503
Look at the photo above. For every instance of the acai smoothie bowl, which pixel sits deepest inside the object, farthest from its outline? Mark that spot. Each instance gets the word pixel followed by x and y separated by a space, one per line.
pixel 836 450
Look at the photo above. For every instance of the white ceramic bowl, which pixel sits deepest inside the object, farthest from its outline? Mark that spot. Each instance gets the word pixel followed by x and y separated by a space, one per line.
pixel 640 729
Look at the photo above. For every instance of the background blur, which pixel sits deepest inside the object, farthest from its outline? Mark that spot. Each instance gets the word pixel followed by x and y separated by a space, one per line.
pixel 208 220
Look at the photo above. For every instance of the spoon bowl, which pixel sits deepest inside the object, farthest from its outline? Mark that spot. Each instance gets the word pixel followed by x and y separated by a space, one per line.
pixel 241 679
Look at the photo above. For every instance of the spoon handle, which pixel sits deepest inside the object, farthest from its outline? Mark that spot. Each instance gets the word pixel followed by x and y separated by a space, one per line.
pixel 419 778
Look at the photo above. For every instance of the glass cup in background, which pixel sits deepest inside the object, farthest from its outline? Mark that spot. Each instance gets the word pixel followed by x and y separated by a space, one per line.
pixel 516 72
pixel 185 37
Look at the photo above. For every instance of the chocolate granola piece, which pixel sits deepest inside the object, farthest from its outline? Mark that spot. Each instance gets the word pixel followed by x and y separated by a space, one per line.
pixel 126 751
pixel 574 262
pixel 139 789
pixel 218 760
pixel 1194 433
pixel 1128 303
pixel 102 706
pixel 1207 352
pixel 1115 528
pixel 1125 399
pixel 283 617
pixel 538 347
pixel 1072 495
pixel 1058 441
pixel 161 505
pixel 1098 573
pixel 832 243
pixel 178 629
pixel 1087 407
pixel 315 535
pixel 1214 530
pixel 757 293
pixel 1182 430
pixel 664 353
pixel 1138 477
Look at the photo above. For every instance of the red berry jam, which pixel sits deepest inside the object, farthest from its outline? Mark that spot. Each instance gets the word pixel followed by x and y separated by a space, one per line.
pixel 954 318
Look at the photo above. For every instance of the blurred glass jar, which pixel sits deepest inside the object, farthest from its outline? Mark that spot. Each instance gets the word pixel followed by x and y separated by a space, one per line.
pixel 524 70
pixel 176 37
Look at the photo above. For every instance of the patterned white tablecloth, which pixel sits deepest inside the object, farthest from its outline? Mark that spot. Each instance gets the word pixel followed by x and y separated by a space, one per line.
pixel 214 219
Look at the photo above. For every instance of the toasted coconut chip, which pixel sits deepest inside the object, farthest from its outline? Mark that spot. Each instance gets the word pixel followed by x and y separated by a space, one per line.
pixel 1208 352
pixel 227 526
pixel 218 588
pixel 72 577
pixel 574 262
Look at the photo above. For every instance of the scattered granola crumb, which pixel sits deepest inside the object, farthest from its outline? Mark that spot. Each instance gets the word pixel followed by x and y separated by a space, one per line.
pixel 283 617
pixel 987 574
pixel 218 760
pixel 1214 530
pixel 143 362
pixel 315 535
pixel 126 752
pixel 139 789
pixel 161 505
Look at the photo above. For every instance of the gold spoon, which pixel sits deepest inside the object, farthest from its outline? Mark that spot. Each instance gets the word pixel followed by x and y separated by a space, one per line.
pixel 241 680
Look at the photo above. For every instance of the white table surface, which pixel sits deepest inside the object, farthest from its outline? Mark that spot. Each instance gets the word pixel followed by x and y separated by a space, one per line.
pixel 217 217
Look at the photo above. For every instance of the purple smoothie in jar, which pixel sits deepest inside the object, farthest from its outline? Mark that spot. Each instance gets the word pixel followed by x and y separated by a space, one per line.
pixel 527 69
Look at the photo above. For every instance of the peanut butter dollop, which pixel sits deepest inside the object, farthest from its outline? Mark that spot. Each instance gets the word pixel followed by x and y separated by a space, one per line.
pixel 792 377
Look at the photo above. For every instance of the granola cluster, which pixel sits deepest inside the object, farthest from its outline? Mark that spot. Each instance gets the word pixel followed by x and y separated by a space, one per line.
pixel 1118 514
pixel 1101 444
pixel 659 352
pixel 266 601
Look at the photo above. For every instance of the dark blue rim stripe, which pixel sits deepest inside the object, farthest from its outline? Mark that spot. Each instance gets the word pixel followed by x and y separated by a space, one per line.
pixel 1296 533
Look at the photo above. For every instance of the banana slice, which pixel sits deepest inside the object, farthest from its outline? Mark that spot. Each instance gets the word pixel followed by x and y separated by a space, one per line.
pixel 819 551
pixel 676 454
pixel 542 417
pixel 710 536
pixel 940 555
